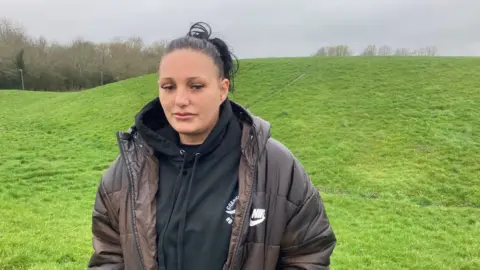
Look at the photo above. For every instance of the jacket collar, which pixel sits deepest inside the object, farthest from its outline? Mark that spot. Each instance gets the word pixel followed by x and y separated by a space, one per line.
pixel 256 132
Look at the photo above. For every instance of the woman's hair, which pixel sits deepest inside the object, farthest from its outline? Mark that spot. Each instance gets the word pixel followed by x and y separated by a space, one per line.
pixel 198 38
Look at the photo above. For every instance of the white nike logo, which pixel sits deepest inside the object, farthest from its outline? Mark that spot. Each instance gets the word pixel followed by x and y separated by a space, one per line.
pixel 258 216
pixel 231 212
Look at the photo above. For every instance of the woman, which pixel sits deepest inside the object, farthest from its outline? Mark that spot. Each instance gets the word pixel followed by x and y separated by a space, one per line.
pixel 200 184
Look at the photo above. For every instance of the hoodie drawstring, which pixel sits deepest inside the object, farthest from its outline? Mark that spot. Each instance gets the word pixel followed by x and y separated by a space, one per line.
pixel 181 227
pixel 175 193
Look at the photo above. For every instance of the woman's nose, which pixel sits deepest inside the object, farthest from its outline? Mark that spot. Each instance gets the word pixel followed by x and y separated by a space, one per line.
pixel 182 97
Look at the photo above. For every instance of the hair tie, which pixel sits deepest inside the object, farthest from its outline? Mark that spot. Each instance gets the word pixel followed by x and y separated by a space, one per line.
pixel 200 30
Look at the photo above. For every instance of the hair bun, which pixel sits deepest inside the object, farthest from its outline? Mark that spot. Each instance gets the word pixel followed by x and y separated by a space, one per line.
pixel 198 38
pixel 200 30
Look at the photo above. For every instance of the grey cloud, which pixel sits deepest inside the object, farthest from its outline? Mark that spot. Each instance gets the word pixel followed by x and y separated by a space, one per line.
pixel 262 28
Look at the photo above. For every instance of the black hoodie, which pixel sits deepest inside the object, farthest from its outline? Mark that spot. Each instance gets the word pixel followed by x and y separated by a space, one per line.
pixel 198 189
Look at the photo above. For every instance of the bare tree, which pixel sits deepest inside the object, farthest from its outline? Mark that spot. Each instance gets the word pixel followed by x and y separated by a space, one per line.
pixel 78 65
pixel 12 37
pixel 337 50
pixel 370 50
pixel 430 51
pixel 402 52
pixel 343 50
pixel 384 51
pixel 321 52
pixel 373 50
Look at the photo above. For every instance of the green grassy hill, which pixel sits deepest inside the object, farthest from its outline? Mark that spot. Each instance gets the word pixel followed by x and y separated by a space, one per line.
pixel 392 143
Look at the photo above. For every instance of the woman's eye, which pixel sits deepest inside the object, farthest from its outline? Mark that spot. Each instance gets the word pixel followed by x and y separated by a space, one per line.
pixel 197 86
pixel 167 86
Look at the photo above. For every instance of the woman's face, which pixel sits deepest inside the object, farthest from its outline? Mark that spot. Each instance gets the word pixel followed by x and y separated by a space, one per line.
pixel 190 93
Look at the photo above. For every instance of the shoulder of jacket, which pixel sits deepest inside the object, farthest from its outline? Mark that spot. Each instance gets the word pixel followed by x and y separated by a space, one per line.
pixel 114 177
pixel 291 177
pixel 280 154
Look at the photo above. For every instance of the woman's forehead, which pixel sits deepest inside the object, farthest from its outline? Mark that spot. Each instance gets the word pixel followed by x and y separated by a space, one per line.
pixel 187 62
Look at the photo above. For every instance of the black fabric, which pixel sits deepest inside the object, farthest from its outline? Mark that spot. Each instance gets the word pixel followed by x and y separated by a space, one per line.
pixel 198 188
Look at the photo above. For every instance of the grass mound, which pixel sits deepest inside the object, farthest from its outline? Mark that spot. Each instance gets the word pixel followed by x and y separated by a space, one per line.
pixel 392 143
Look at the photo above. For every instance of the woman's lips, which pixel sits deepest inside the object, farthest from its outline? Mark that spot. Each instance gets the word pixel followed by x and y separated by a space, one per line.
pixel 184 116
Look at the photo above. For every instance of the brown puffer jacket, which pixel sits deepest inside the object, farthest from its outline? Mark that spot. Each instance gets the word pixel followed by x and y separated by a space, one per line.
pixel 273 186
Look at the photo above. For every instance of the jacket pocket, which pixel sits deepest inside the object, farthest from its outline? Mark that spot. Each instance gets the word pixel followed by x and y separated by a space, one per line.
pixel 261 257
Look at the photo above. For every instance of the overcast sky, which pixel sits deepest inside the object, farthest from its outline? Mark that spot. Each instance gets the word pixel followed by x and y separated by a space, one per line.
pixel 261 28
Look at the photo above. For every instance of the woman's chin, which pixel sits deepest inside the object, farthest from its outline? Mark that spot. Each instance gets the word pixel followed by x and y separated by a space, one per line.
pixel 186 129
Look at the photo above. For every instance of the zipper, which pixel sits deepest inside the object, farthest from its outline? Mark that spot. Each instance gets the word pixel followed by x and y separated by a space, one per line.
pixel 245 223
pixel 132 199
pixel 234 264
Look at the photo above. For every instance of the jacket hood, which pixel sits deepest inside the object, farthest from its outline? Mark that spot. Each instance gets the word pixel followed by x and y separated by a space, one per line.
pixel 257 133
pixel 154 128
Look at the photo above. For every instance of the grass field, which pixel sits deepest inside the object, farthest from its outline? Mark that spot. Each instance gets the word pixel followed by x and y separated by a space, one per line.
pixel 392 143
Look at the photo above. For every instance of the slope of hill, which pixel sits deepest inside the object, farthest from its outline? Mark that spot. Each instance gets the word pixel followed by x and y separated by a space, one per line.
pixel 392 143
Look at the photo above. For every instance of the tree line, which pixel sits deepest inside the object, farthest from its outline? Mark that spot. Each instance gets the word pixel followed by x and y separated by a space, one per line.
pixel 36 64
pixel 373 50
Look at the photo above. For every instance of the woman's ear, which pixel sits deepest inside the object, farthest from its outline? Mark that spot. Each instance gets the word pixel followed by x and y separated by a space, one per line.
pixel 224 86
